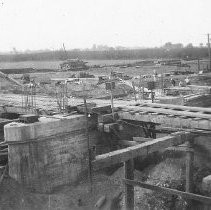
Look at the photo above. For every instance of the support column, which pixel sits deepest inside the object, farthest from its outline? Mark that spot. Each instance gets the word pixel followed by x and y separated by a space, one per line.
pixel 189 170
pixel 129 189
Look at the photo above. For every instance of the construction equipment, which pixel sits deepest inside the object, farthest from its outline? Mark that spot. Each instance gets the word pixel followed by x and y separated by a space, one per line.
pixel 73 65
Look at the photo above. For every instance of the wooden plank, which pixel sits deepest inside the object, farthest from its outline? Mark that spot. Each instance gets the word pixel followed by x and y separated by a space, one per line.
pixel 154 113
pixel 170 115
pixel 127 143
pixel 29 118
pixel 171 106
pixel 171 130
pixel 122 155
pixel 81 108
pixel 129 189
pixel 141 139
pixel 169 191
pixel 179 148
pixel 3 122
pixel 16 109
pixel 3 154
pixel 100 109
pixel 133 112
pixel 172 112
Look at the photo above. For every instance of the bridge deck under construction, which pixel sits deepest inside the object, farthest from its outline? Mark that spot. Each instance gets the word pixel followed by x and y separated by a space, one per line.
pixel 169 115
pixel 56 145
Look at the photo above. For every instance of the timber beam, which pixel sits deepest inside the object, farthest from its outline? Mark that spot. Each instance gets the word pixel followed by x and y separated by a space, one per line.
pixel 16 109
pixel 141 139
pixel 169 191
pixel 123 155
pixel 127 143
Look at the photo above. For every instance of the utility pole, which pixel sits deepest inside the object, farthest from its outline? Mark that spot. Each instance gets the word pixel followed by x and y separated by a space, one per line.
pixel 208 43
pixel 198 65
pixel 66 56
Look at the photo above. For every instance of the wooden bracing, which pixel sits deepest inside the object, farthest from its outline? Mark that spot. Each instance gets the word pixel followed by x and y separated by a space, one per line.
pixel 122 155
pixel 128 154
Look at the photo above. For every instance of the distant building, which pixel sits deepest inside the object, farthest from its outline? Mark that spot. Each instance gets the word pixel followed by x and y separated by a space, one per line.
pixel 94 48
pixel 169 46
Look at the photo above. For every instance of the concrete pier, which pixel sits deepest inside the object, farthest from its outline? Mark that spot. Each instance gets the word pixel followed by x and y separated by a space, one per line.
pixel 49 153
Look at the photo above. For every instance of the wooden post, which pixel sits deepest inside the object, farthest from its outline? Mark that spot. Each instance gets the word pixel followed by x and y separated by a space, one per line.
pixel 169 191
pixel 22 95
pixel 88 144
pixel 139 86
pixel 189 170
pixel 198 65
pixel 143 89
pixel 112 101
pixel 209 53
pixel 162 84
pixel 63 97
pixel 35 105
pixel 152 96
pixel 134 90
pixel 152 129
pixel 129 189
pixel 32 103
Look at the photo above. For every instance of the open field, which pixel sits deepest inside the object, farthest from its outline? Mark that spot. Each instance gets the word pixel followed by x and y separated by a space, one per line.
pixel 30 64
pixel 55 64
pixel 131 71
pixel 39 65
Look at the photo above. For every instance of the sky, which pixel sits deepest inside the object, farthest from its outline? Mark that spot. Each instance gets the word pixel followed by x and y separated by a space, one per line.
pixel 46 24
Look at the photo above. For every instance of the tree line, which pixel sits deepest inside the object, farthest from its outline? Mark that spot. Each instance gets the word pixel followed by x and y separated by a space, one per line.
pixel 149 53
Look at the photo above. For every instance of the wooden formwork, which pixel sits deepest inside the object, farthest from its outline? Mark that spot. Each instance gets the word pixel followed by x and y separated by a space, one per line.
pixel 194 122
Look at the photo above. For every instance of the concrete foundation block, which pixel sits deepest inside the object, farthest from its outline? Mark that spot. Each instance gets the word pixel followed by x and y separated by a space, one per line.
pixel 49 153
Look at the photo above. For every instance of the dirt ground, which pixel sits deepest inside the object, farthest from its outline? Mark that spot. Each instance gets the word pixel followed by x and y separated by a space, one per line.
pixel 46 93
pixel 15 197
pixel 45 86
